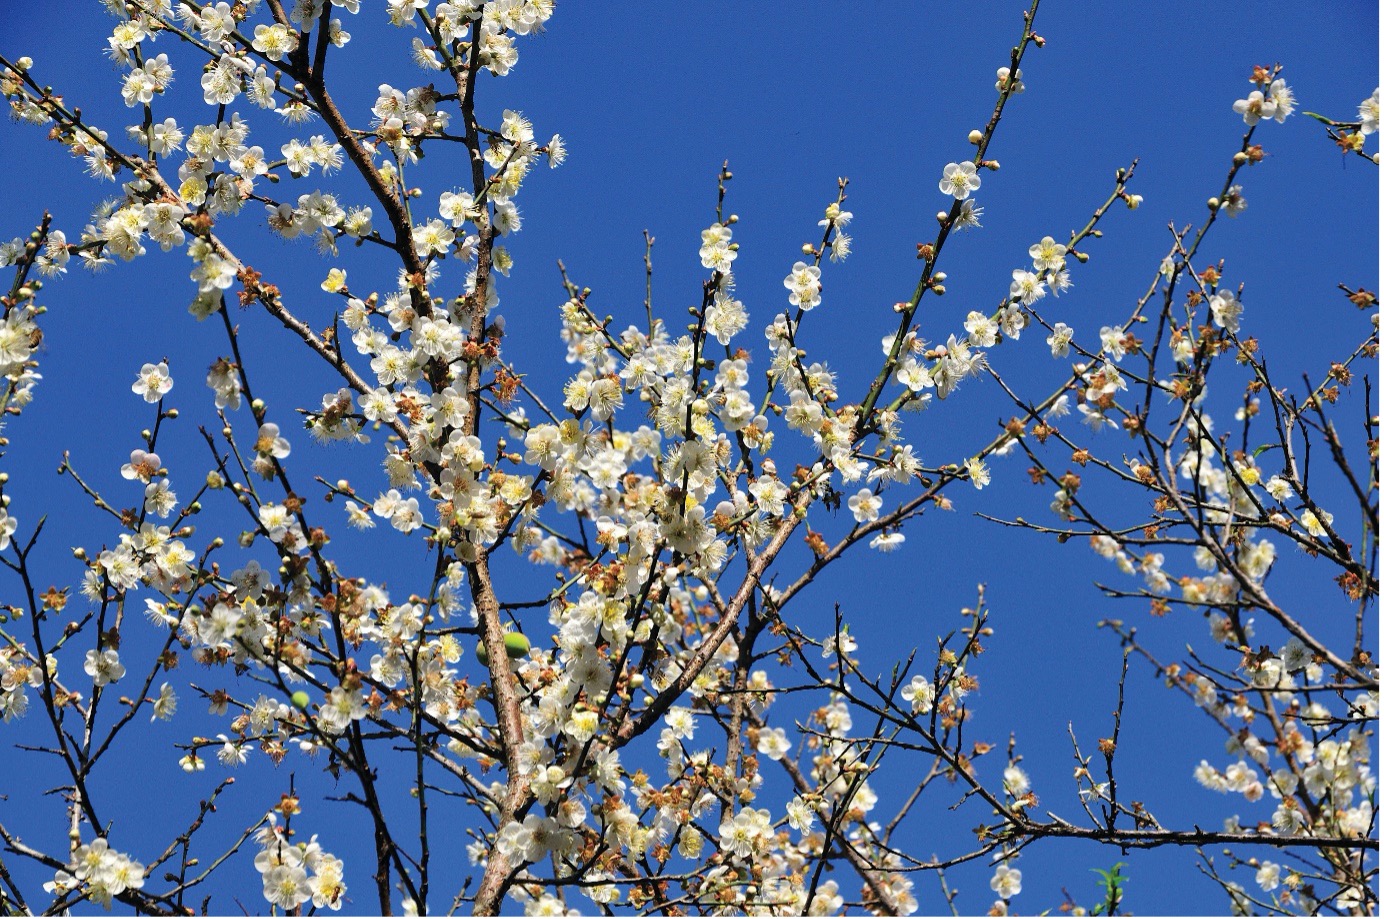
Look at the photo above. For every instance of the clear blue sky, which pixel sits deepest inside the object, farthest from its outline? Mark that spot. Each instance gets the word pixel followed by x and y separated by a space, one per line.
pixel 651 98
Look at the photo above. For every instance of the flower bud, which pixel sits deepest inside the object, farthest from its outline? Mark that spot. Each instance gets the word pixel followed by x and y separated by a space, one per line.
pixel 975 137
pixel 1213 203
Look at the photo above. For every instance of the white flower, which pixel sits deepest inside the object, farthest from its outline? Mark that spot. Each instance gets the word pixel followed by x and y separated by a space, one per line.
pixel 920 694
pixel 959 180
pixel 1226 310
pixel 165 705
pixel 1061 339
pixel 978 472
pixel 887 542
pixel 716 252
pixel 8 525
pixel 1369 114
pixel 774 743
pixel 153 382
pixel 433 237
pixel 804 286
pixel 286 886
pixel 1234 201
pixel 275 41
pixel 1278 488
pixel 103 666
pixel 336 281
pixel 1007 882
pixel 800 815
pixel 1284 101
pixel 1316 523
pixel 1267 876
pixel 1016 85
pixel 969 215
pixel 983 331
pixel 1047 255
pixel 1255 107
pixel 1026 287
pixel 864 506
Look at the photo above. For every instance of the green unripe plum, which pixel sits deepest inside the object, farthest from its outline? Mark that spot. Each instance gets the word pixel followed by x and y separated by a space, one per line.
pixel 516 645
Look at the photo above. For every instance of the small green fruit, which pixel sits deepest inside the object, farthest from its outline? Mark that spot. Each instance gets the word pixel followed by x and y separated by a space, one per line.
pixel 300 699
pixel 516 645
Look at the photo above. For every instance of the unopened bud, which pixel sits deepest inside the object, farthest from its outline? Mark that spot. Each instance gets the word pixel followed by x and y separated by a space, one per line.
pixel 1241 158
pixel 975 137
pixel 808 250
pixel 1213 203
pixel 942 217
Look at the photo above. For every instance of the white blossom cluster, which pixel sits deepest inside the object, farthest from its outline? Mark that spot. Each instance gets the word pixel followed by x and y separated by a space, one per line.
pixel 661 445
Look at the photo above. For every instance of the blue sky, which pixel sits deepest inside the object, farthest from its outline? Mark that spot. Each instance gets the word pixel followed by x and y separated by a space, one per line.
pixel 793 97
